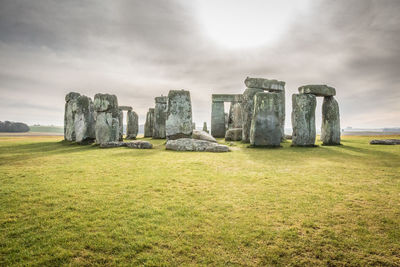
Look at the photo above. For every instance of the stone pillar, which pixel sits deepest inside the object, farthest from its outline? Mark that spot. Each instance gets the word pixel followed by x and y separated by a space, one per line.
pixel 217 119
pixel 160 117
pixel 132 127
pixel 247 109
pixel 265 125
pixel 205 127
pixel 179 115
pixel 330 130
pixel 193 126
pixel 84 123
pixel 71 100
pixel 107 118
pixel 235 116
pixel 303 119
pixel 149 124
pixel 226 121
pixel 282 112
pixel 121 125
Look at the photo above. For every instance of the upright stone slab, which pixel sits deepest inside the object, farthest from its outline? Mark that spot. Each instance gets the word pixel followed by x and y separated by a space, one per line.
pixel 235 116
pixel 282 111
pixel 107 118
pixel 217 119
pixel 160 117
pixel 149 124
pixel 179 115
pixel 132 127
pixel 265 125
pixel 248 107
pixel 330 130
pixel 71 100
pixel 205 127
pixel 84 123
pixel 303 119
pixel 226 121
pixel 121 124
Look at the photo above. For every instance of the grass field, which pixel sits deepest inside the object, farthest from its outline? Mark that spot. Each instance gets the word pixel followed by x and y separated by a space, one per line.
pixel 46 129
pixel 80 205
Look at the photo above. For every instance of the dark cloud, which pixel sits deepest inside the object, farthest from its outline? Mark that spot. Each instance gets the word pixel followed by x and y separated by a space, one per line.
pixel 141 49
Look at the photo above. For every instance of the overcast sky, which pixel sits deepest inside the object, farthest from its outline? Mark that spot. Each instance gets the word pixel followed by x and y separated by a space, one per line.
pixel 141 49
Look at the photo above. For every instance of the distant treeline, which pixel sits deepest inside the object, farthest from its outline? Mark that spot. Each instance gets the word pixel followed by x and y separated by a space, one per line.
pixel 13 127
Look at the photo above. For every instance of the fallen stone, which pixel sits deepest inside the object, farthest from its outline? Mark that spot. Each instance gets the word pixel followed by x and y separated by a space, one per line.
pixel 112 144
pixel 132 127
pixel 179 115
pixel 139 144
pixel 303 119
pixel 265 125
pixel 187 144
pixel 330 129
pixel 317 90
pixel 385 142
pixel 234 134
pixel 265 84
pixel 248 107
pixel 201 135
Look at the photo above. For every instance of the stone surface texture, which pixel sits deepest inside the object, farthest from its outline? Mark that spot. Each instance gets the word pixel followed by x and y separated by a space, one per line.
pixel 385 142
pixel 265 125
pixel 71 100
pixel 121 124
pixel 217 119
pixel 187 144
pixel 125 108
pixel 160 117
pixel 149 124
pixel 265 84
pixel 139 144
pixel 132 127
pixel 107 118
pixel 112 144
pixel 317 90
pixel 201 135
pixel 330 129
pixel 179 115
pixel 84 123
pixel 248 108
pixel 233 134
pixel 235 119
pixel 303 119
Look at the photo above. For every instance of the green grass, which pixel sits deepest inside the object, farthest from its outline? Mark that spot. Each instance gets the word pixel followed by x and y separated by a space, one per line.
pixel 46 129
pixel 64 204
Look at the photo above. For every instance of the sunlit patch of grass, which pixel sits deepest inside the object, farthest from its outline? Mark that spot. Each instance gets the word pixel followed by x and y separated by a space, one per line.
pixel 62 203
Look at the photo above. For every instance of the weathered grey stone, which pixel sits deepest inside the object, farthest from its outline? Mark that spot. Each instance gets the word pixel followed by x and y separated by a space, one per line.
pixel 218 119
pixel 107 118
pixel 179 115
pixel 205 127
pixel 330 129
pixel 235 116
pixel 187 144
pixel 226 121
pixel 71 100
pixel 234 134
pixel 160 117
pixel 149 124
pixel 303 119
pixel 265 84
pixel 201 135
pixel 247 109
pixel 385 142
pixel 226 98
pixel 282 111
pixel 84 123
pixel 265 125
pixel 132 125
pixel 121 124
pixel 112 144
pixel 317 90
pixel 125 108
pixel 139 144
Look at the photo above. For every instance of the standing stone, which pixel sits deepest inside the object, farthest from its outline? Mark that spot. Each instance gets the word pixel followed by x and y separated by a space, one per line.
pixel 282 112
pixel 235 116
pixel 205 127
pixel 218 119
pixel 179 115
pixel 132 127
pixel 247 109
pixel 330 130
pixel 121 124
pixel 107 118
pixel 84 123
pixel 303 119
pixel 160 117
pixel 149 124
pixel 265 124
pixel 226 121
pixel 71 100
